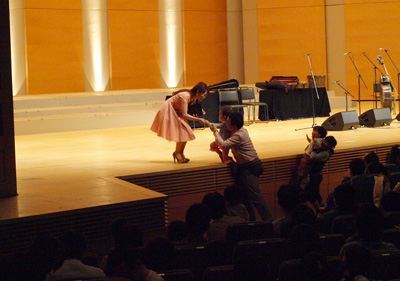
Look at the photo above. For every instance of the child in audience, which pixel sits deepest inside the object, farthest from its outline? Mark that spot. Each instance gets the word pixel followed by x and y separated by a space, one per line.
pixel 315 142
pixel 225 134
pixel 233 197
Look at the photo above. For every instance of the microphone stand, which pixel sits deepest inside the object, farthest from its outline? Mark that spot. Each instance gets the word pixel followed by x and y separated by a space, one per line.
pixel 359 84
pixel 398 73
pixel 312 97
pixel 345 92
pixel 376 79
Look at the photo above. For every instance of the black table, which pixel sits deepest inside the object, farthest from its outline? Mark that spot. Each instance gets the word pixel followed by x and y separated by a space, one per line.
pixel 294 104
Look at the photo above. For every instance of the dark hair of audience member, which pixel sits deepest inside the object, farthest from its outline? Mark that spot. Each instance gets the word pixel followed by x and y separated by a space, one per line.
pixel 252 267
pixel 216 204
pixel 314 267
pixel 288 197
pixel 74 244
pixel 160 254
pixel 304 239
pixel 302 214
pixel 369 223
pixel 345 196
pixel 123 261
pixel 357 167
pixel 233 195
pixel 356 261
pixel 394 156
pixel 197 222
pixel 391 201
pixel 128 235
pixel 176 231
pixel 375 168
pixel 370 157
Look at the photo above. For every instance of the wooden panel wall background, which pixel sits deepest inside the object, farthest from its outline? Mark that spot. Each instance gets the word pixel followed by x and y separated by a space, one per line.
pixel 287 30
pixel 205 41
pixel 371 25
pixel 54 46
pixel 134 44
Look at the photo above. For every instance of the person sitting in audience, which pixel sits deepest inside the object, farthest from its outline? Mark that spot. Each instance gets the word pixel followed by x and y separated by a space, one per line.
pixel 288 199
pixel 304 239
pixel 302 214
pixel 344 197
pixel 233 197
pixel 74 245
pixel 252 267
pixel 394 156
pixel 197 222
pixel 355 263
pixel 370 225
pixel 176 231
pixel 215 203
pixel 160 254
pixel 356 169
pixel 370 157
pixel 382 182
pixel 125 264
pixel 314 267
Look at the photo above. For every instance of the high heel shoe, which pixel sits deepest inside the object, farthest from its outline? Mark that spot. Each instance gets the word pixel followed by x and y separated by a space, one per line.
pixel 186 159
pixel 178 158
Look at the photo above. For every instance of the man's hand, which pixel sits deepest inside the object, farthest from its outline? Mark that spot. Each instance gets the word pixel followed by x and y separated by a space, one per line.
pixel 213 128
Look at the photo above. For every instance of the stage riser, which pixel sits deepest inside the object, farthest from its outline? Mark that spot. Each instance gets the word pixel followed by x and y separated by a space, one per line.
pixel 186 186
pixel 95 223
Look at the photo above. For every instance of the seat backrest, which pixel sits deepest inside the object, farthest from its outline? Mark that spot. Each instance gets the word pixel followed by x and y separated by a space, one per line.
pixel 219 273
pixel 345 225
pixel 247 93
pixel 274 251
pixel 392 235
pixel 177 275
pixel 191 257
pixel 331 243
pixel 248 231
pixel 385 266
pixel 228 96
pixel 364 188
pixel 394 179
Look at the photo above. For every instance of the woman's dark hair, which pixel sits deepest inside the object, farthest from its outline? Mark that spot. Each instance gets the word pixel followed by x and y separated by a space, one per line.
pixel 200 87
pixel 332 143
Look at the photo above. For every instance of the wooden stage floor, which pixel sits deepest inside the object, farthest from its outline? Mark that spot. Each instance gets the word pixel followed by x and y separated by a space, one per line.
pixel 73 170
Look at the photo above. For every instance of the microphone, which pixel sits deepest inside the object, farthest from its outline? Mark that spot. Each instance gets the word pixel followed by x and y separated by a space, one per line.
pixel 348 53
pixel 382 49
pixel 306 55
pixel 379 57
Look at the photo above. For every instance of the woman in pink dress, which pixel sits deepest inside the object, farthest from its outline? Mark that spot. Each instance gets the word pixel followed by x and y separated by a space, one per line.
pixel 171 123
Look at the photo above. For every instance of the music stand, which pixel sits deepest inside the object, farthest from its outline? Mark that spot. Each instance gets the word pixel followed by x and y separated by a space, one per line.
pixel 311 94
pixel 345 92
pixel 376 84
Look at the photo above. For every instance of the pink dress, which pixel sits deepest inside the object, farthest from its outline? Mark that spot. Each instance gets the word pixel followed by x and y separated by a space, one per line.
pixel 169 123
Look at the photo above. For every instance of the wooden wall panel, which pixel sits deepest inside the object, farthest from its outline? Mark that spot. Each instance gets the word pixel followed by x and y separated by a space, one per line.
pixel 54 48
pixel 205 41
pixel 286 33
pixel 134 44
pixel 371 25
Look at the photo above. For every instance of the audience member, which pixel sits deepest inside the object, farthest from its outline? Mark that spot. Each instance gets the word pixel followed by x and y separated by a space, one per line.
pixel 288 199
pixel 302 214
pixel 356 169
pixel 252 267
pixel 355 263
pixel 160 254
pixel 126 264
pixel 233 197
pixel 176 231
pixel 370 157
pixel 370 225
pixel 394 156
pixel 304 239
pixel 344 197
pixel 391 202
pixel 74 245
pixel 197 223
pixel 314 267
pixel 382 182
pixel 215 203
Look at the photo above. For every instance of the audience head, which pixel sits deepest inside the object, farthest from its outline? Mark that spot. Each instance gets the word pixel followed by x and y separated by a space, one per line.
pixel 233 195
pixel 375 168
pixel 357 167
pixel 160 254
pixel 391 201
pixel 329 143
pixel 252 267
pixel 314 267
pixel 319 132
pixel 303 214
pixel 304 240
pixel 215 203
pixel 370 157
pixel 129 235
pixel 288 197
pixel 125 263
pixel 197 220
pixel 74 244
pixel 394 156
pixel 235 119
pixel 176 231
pixel 369 222
pixel 355 261
pixel 345 196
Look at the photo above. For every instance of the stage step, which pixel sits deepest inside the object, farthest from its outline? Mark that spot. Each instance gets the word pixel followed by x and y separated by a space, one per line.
pixel 86 111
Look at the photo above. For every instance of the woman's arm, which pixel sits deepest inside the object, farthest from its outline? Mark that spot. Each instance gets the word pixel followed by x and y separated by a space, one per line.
pixel 187 116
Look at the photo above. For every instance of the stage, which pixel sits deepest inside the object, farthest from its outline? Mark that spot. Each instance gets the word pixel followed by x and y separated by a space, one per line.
pixel 97 175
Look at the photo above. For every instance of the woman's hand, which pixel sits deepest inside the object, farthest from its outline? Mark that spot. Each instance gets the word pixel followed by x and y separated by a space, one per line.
pixel 206 122
pixel 213 128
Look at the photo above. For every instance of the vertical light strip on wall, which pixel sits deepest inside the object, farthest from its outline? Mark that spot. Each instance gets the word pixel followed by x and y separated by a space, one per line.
pixel 171 42
pixel 18 59
pixel 95 45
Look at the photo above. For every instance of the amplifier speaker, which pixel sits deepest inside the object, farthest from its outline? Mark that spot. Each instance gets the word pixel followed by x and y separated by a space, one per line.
pixel 376 117
pixel 347 120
